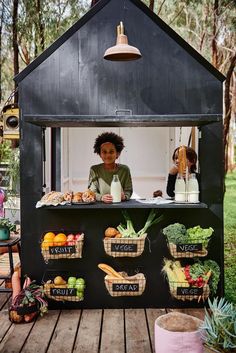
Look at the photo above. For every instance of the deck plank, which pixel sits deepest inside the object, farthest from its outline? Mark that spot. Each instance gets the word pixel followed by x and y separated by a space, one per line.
pixel 41 333
pixel 5 323
pixel 15 338
pixel 87 340
pixel 113 331
pixel 152 315
pixel 64 335
pixel 137 338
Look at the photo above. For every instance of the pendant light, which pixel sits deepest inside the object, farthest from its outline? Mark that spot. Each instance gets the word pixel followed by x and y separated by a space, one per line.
pixel 122 51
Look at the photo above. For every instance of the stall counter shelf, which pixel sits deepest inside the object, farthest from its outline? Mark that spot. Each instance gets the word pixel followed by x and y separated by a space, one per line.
pixel 128 204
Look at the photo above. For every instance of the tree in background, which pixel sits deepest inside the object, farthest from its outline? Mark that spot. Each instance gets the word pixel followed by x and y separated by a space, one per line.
pixel 208 25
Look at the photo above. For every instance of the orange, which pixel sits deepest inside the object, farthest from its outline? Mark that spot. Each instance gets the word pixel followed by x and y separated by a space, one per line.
pixel 49 236
pixel 46 243
pixel 60 239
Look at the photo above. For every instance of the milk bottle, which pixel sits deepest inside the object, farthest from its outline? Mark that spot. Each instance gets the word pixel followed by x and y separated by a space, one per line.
pixel 180 189
pixel 193 188
pixel 116 188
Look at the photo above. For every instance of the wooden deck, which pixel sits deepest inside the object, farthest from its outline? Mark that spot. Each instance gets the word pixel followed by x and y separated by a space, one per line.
pixel 82 331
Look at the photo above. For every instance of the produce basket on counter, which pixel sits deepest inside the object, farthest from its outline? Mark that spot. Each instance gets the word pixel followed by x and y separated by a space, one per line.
pixel 121 247
pixel 119 284
pixel 64 287
pixel 192 282
pixel 187 243
pixel 64 245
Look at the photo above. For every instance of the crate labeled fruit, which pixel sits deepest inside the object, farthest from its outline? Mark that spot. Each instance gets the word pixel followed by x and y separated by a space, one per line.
pixel 64 287
pixel 62 245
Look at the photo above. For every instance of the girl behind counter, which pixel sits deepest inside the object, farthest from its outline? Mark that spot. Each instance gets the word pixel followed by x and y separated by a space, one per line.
pixel 108 146
pixel 191 163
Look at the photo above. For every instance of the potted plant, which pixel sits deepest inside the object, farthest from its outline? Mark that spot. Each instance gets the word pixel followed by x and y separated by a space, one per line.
pixel 5 228
pixel 219 326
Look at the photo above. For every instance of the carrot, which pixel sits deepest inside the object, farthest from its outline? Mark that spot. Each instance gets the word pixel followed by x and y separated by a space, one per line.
pixel 16 285
pixel 26 282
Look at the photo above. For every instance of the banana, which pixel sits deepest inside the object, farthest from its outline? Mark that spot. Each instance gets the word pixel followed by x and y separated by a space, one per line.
pixel 110 271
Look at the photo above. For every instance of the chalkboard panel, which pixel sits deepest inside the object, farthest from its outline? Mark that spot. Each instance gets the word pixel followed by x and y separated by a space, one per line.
pixel 189 247
pixel 123 247
pixel 24 310
pixel 189 291
pixel 69 292
pixel 67 249
pixel 125 287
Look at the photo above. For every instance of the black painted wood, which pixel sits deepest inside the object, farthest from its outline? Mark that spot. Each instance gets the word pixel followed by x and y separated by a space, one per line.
pixel 72 85
pixel 123 120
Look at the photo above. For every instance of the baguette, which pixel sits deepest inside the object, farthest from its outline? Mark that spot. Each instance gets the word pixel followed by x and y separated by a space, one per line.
pixel 110 271
pixel 182 160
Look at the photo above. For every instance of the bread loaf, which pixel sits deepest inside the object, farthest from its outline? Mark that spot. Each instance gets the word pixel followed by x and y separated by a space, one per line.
pixel 110 271
pixel 182 160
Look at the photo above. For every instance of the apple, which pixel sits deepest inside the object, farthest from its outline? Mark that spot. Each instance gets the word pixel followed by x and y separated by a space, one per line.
pixel 77 236
pixel 80 281
pixel 70 237
pixel 71 281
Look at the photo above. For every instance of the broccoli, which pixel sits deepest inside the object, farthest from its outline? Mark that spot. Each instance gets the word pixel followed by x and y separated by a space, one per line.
pixel 176 233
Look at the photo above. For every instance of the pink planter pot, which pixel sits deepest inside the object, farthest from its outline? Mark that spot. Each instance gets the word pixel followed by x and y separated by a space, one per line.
pixel 177 333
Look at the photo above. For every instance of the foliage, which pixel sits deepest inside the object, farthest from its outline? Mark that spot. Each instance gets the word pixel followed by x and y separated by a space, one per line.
pixel 230 240
pixel 13 170
pixel 6 223
pixel 219 325
pixel 5 151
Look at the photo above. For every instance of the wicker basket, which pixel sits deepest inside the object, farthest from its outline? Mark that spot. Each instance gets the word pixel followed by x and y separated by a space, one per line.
pixel 48 292
pixel 77 251
pixel 182 291
pixel 130 286
pixel 124 247
pixel 186 254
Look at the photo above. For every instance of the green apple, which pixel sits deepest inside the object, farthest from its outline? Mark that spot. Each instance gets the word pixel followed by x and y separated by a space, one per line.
pixel 80 281
pixel 71 281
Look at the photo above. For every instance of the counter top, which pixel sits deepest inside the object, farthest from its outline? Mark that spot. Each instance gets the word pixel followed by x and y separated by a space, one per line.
pixel 126 204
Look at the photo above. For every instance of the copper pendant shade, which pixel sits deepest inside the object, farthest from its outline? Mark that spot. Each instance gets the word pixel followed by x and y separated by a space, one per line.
pixel 122 51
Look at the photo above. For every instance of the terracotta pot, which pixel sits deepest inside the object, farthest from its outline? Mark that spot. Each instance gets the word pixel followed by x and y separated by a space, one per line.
pixel 177 333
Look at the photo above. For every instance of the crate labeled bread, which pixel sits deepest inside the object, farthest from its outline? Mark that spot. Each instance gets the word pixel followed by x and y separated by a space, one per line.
pixel 119 284
pixel 187 243
pixel 62 245
pixel 192 282
pixel 64 287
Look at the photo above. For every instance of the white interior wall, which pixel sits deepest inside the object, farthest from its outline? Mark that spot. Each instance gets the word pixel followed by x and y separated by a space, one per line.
pixel 148 153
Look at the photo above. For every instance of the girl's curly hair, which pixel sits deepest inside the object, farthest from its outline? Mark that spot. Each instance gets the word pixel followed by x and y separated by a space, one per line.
pixel 111 137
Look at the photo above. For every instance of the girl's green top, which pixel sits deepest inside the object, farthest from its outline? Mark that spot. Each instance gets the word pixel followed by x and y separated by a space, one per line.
pixel 100 180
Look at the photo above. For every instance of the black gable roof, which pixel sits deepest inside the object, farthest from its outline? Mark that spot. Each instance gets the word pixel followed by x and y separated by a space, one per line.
pixel 92 12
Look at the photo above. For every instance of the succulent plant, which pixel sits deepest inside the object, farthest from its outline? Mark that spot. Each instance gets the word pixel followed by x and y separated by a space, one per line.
pixel 220 325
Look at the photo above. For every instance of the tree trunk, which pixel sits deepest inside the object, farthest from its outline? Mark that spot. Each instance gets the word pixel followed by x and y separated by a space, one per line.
pixel 228 108
pixel 214 34
pixel 40 25
pixel 15 44
pixel 151 5
pixel 93 2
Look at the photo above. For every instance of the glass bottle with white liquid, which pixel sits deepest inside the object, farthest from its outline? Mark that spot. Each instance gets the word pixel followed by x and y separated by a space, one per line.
pixel 180 189
pixel 193 188
pixel 116 188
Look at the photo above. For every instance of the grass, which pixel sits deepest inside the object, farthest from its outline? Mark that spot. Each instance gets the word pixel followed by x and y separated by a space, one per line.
pixel 230 238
